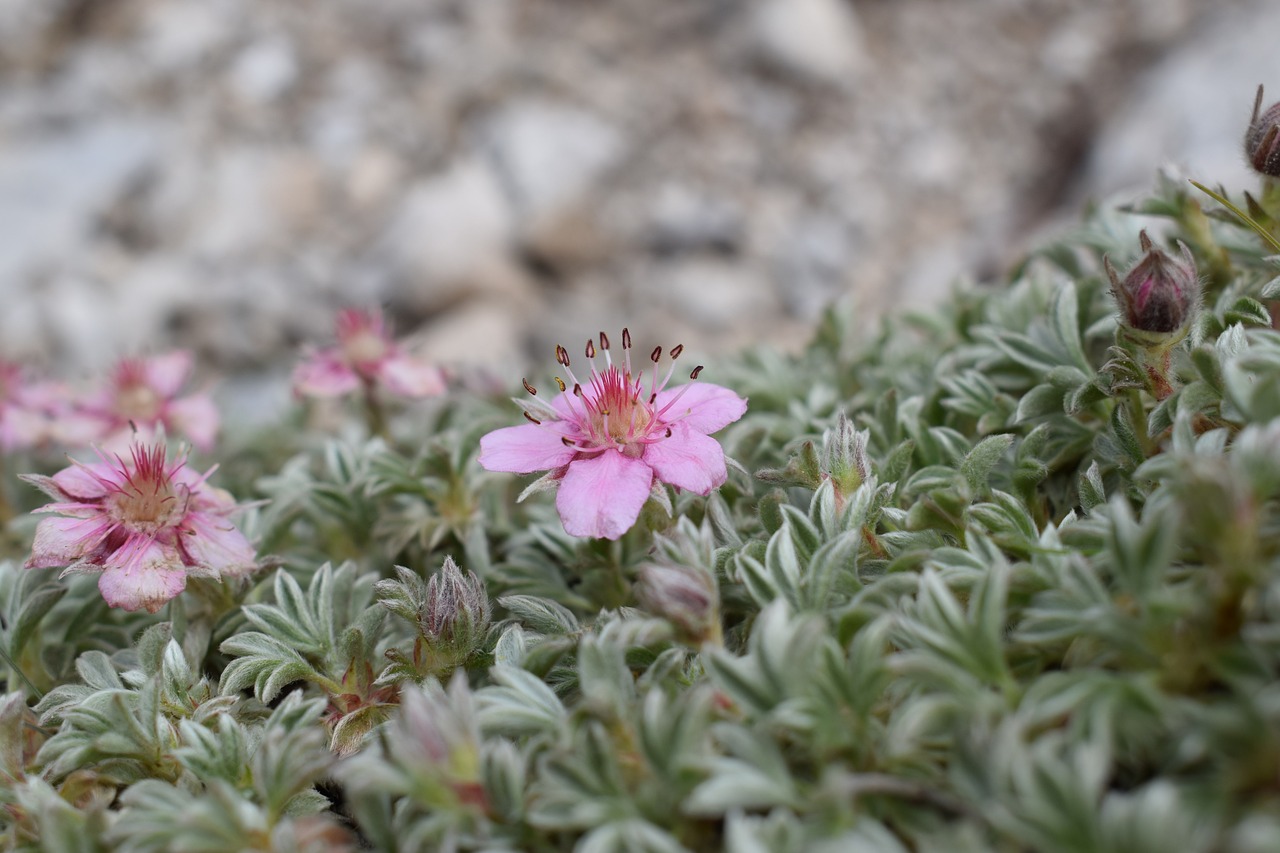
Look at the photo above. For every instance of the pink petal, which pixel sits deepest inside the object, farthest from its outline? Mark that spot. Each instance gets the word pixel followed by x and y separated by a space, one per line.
pixel 213 542
pixel 87 481
pixel 63 541
pixel 702 406
pixel 406 376
pixel 80 428
pixel 323 375
pixel 21 428
pixel 601 496
pixel 196 417
pixel 166 373
pixel 143 573
pixel 526 448
pixel 688 459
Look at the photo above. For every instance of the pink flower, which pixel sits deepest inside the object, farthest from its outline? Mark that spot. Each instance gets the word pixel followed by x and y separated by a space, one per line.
pixel 25 408
pixel 365 356
pixel 142 394
pixel 607 442
pixel 146 524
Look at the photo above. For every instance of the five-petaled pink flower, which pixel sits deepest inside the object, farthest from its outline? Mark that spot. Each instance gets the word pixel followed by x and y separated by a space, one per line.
pixel 25 409
pixel 140 398
pixel 146 523
pixel 608 440
pixel 365 357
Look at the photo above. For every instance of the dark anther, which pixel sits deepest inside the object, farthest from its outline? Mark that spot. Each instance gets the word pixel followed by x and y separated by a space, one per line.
pixel 533 419
pixel 529 388
pixel 676 350
pixel 696 371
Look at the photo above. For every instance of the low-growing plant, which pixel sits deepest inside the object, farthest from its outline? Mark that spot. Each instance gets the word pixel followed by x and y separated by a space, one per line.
pixel 999 574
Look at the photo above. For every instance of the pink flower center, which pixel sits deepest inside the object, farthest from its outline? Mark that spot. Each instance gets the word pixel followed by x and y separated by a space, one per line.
pixel 616 414
pixel 137 402
pixel 364 347
pixel 613 410
pixel 147 501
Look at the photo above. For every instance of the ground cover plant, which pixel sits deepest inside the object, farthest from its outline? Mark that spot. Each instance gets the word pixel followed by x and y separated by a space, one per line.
pixel 1002 574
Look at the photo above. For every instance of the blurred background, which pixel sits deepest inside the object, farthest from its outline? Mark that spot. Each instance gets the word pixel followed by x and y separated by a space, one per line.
pixel 504 174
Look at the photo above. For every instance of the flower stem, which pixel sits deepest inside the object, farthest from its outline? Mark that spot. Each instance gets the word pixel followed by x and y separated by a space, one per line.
pixel 375 416
pixel 6 508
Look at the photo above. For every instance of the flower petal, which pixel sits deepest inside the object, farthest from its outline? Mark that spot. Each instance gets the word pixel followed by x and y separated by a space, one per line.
pixel 88 481
pixel 526 448
pixel 324 375
pixel 702 406
pixel 213 542
pixel 406 376
pixel 196 417
pixel 688 459
pixel 602 495
pixel 166 373
pixel 21 428
pixel 142 573
pixel 63 541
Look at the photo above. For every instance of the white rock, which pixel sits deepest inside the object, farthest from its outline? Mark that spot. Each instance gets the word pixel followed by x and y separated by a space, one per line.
pixel 52 188
pixel 1193 108
pixel 265 70
pixel 714 294
pixel 816 40
pixel 183 33
pixel 448 227
pixel 549 155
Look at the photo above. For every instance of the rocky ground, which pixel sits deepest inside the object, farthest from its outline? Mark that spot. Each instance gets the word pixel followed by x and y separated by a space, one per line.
pixel 502 174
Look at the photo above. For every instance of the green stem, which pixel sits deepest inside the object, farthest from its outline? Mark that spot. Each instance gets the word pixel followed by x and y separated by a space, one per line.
pixel 6 508
pixel 374 414
pixel 1138 413
pixel 17 670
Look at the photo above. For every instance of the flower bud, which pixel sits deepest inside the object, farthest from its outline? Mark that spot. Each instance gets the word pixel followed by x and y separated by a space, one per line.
pixel 456 612
pixel 844 457
pixel 1262 139
pixel 685 596
pixel 1159 296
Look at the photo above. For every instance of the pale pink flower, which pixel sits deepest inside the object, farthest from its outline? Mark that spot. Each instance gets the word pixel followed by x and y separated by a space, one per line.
pixel 145 523
pixel 141 397
pixel 365 357
pixel 25 409
pixel 608 441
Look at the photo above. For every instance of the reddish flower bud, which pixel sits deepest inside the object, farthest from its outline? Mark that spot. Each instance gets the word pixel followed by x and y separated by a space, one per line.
pixel 1262 139
pixel 1161 293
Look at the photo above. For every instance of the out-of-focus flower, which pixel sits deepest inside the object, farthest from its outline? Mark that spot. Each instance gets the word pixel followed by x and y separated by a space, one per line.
pixel 1158 297
pixel 1262 139
pixel 365 356
pixel 141 394
pixel 25 409
pixel 607 441
pixel 145 523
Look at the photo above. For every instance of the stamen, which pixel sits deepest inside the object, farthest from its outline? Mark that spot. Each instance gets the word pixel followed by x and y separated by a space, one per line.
pixel 626 338
pixel 562 356
pixel 655 355
pixel 697 370
pixel 604 342
pixel 567 442
pixel 560 383
pixel 591 349
pixel 676 350
pixel 577 389
pixel 533 419
pixel 528 387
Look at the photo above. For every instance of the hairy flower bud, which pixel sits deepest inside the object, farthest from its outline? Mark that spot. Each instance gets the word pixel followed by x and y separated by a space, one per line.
pixel 844 456
pixel 456 611
pixel 1160 294
pixel 1262 139
pixel 685 596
